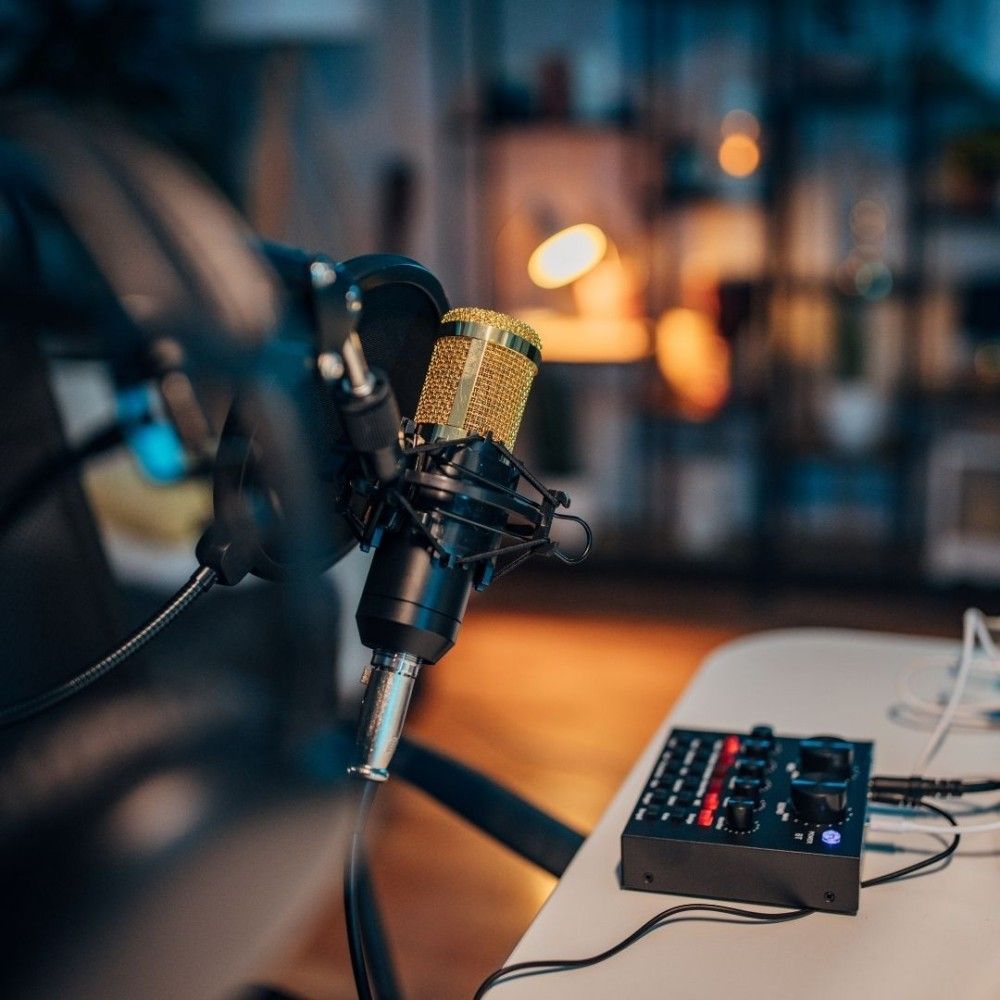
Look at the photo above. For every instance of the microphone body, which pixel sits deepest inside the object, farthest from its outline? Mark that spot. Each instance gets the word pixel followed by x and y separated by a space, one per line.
pixel 415 597
pixel 439 531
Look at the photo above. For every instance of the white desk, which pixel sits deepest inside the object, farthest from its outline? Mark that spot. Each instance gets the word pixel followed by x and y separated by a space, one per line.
pixel 934 936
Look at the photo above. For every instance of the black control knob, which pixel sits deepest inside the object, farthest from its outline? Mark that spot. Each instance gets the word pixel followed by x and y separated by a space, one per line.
pixel 748 788
pixel 750 767
pixel 826 753
pixel 739 815
pixel 762 733
pixel 818 797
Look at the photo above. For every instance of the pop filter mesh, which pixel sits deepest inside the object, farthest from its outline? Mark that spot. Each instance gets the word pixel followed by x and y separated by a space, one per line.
pixel 398 328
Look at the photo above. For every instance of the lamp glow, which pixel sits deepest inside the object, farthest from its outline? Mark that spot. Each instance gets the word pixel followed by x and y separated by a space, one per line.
pixel 694 361
pixel 567 255
pixel 739 155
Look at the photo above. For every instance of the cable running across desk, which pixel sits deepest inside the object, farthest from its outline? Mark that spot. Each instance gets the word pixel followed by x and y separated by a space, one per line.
pixel 540 966
pixel 926 862
pixel 559 965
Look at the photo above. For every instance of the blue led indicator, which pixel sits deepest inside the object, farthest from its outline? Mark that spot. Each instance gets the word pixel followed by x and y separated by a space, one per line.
pixel 830 837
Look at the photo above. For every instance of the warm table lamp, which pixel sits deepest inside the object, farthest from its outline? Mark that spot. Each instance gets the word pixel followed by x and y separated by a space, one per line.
pixel 606 325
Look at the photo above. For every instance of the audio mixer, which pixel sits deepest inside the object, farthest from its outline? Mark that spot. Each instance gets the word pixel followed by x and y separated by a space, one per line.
pixel 753 818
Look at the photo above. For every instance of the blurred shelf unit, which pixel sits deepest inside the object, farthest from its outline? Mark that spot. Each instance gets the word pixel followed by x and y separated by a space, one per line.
pixel 845 254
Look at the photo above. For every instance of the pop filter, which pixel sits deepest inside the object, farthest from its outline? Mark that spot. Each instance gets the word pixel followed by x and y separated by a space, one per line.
pixel 402 306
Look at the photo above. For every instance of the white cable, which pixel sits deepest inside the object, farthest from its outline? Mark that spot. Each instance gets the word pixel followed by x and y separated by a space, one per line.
pixel 971 724
pixel 977 629
pixel 970 632
pixel 976 632
pixel 977 714
pixel 885 825
pixel 914 701
pixel 988 626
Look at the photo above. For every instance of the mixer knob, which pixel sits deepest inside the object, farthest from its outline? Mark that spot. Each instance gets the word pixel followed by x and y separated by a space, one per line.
pixel 762 732
pixel 819 798
pixel 739 815
pixel 751 767
pixel 748 788
pixel 826 753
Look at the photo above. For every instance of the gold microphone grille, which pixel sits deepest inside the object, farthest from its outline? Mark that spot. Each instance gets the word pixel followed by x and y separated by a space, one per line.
pixel 480 375
pixel 490 317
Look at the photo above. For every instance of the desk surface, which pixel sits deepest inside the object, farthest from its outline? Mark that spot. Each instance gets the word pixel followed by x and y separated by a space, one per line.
pixel 932 936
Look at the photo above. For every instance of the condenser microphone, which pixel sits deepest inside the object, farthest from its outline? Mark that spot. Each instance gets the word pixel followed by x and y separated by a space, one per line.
pixel 453 515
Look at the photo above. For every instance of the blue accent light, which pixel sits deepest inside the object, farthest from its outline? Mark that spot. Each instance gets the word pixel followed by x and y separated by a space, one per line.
pixel 830 837
pixel 133 404
pixel 158 451
pixel 156 445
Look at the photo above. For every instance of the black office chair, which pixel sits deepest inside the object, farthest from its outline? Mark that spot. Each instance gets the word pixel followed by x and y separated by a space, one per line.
pixel 162 827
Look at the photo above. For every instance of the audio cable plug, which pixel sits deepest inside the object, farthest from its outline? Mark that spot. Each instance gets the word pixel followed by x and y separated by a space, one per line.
pixel 910 790
pixel 389 681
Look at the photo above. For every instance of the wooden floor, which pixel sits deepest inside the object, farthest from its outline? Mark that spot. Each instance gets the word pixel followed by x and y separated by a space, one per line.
pixel 556 706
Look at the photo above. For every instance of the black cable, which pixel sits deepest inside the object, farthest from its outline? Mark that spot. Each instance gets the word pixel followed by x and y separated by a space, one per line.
pixel 374 942
pixel 911 790
pixel 558 965
pixel 538 967
pixel 926 862
pixel 352 908
pixel 48 472
pixel 199 583
pixel 984 785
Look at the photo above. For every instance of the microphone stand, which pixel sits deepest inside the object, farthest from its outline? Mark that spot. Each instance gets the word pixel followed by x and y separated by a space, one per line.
pixel 370 415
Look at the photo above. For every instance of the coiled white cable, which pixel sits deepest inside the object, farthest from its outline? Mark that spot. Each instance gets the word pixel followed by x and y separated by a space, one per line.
pixel 970 633
pixel 979 658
